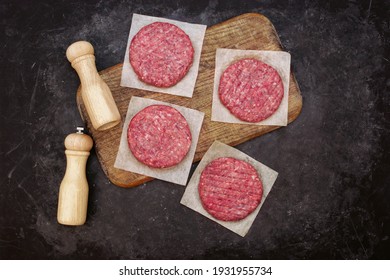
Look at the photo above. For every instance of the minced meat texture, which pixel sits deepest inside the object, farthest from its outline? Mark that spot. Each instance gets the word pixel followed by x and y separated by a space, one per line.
pixel 230 189
pixel 161 54
pixel 159 136
pixel 251 90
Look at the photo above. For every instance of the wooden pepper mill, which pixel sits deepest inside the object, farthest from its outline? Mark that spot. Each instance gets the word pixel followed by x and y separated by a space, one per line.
pixel 96 95
pixel 73 195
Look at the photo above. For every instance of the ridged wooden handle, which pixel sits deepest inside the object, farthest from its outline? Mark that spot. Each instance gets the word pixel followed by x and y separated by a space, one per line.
pixel 73 195
pixel 97 97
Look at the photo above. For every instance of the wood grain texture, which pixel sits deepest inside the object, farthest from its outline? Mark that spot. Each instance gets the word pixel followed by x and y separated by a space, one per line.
pixel 248 31
pixel 73 194
pixel 96 95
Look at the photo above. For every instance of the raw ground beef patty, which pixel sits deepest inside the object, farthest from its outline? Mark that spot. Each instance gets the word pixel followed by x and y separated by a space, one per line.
pixel 159 136
pixel 230 189
pixel 161 54
pixel 251 90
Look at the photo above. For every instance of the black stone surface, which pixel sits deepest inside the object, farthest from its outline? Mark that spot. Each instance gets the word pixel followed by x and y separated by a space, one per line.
pixel 330 201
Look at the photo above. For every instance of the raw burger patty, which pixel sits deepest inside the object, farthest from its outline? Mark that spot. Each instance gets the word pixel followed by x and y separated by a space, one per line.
pixel 159 136
pixel 161 54
pixel 251 90
pixel 230 189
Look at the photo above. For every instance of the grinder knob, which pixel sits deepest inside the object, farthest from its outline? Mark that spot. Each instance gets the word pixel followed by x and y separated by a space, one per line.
pixel 79 49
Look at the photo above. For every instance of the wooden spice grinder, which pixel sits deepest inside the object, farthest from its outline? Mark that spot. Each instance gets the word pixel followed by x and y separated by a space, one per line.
pixel 96 95
pixel 73 195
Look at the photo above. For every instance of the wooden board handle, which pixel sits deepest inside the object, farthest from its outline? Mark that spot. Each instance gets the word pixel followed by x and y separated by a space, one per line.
pixel 96 95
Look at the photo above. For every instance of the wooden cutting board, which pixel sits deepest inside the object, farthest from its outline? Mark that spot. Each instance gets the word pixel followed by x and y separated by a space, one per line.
pixel 248 31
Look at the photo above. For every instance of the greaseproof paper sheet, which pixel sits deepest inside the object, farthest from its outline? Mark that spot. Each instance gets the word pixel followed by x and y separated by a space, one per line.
pixel 186 86
pixel 191 197
pixel 177 174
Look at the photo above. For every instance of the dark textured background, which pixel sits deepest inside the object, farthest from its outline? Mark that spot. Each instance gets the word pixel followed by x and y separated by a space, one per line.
pixel 330 201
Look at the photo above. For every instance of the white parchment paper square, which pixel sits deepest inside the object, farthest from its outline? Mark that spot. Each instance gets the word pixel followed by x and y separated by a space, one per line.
pixel 277 59
pixel 191 197
pixel 186 86
pixel 177 174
